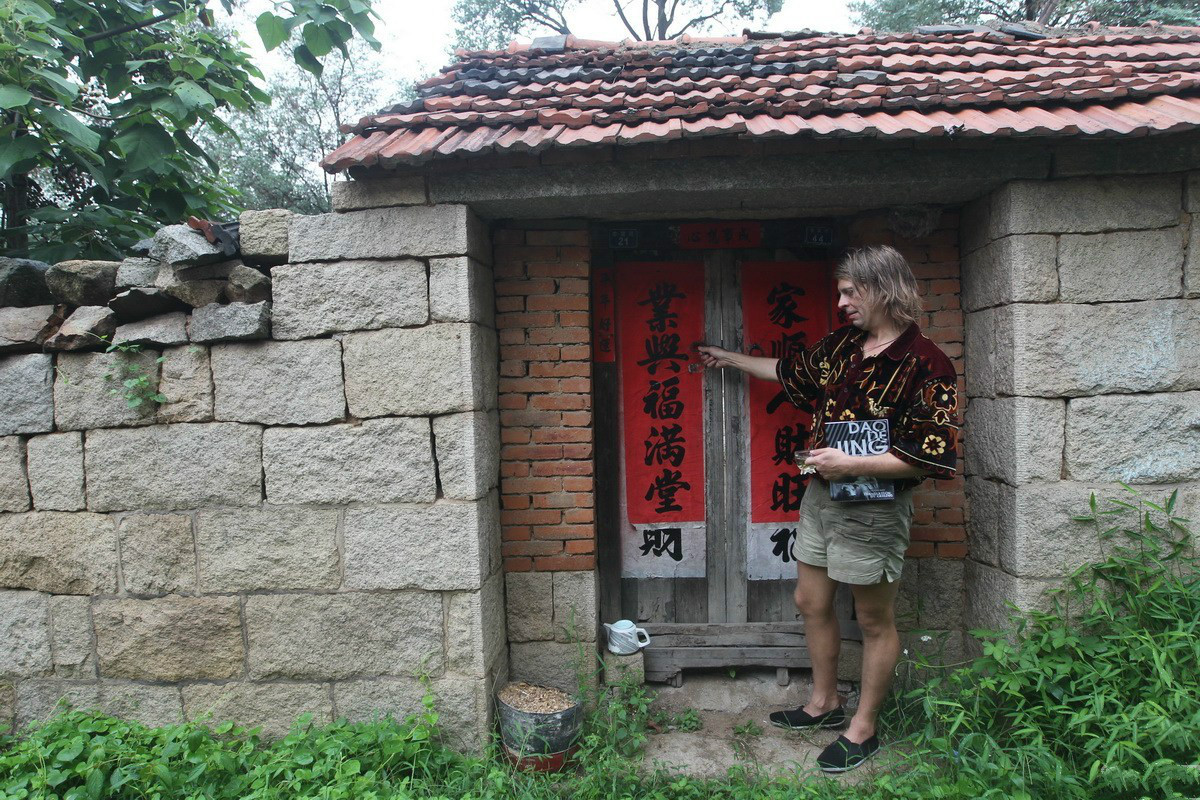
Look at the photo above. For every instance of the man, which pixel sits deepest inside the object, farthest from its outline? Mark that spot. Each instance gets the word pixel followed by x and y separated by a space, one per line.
pixel 880 366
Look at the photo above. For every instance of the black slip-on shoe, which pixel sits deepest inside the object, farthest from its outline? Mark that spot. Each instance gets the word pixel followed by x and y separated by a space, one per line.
pixel 844 755
pixel 799 719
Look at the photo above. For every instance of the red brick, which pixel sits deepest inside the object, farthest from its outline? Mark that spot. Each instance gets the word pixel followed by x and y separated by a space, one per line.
pixel 946 516
pixel 558 302
pixel 563 402
pixel 531 516
pixel 508 269
pixel 576 385
pixel 952 550
pixel 513 401
pixel 514 435
pixel 516 533
pixel 582 253
pixel 580 319
pixel 557 335
pixel 526 287
pixel 579 515
pixel 948 319
pixel 533 452
pixel 559 237
pixel 548 435
pixel 944 286
pixel 922 516
pixel 515 502
pixel 560 369
pixel 525 252
pixel 577 418
pixel 562 468
pixel 531 548
pixel 518 485
pixel 574 286
pixel 530 385
pixel 558 269
pixel 564 563
pixel 576 352
pixel 512 335
pixel 577 451
pixel 525 319
pixel 920 550
pixel 555 500
pixel 530 418
pixel 564 531
pixel 580 546
pixel 934 534
pixel 529 352
pixel 507 304
pixel 514 469
pixel 508 236
pixel 518 564
pixel 512 369
pixel 579 483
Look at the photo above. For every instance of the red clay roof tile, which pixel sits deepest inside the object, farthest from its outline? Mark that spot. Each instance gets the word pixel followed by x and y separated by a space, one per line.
pixel 1117 82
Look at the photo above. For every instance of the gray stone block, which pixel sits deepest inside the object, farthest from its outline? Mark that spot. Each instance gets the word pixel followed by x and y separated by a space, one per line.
pixel 1086 205
pixel 158 554
pixel 438 369
pixel 379 461
pixel 444 545
pixel 1015 439
pixel 88 328
pixel 475 628
pixel 179 244
pixel 71 636
pixel 234 322
pixel 467 447
pixel 1100 268
pixel 26 329
pixel 1191 200
pixel 169 467
pixel 8 706
pixel 150 705
pixel 23 282
pixel 26 394
pixel 89 394
pixel 412 231
pixel 14 484
pixel 141 303
pixel 392 191
pixel 279 383
pixel 940 582
pixel 50 551
pixel 194 292
pixel 350 635
pixel 185 380
pixel 25 631
pixel 461 290
pixel 575 606
pixel 169 638
pixel 462 704
pixel 1037 535
pixel 983 523
pixel 267 548
pixel 1077 350
pixel 992 589
pixel 315 299
pixel 1013 269
pixel 1140 438
pixel 557 664
pixel 274 707
pixel 165 330
pixel 530 606
pixel 247 285
pixel 264 235
pixel 1191 266
pixel 83 283
pixel 620 669
pixel 56 471
pixel 137 271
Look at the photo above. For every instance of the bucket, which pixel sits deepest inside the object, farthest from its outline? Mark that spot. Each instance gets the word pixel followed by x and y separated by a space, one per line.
pixel 536 733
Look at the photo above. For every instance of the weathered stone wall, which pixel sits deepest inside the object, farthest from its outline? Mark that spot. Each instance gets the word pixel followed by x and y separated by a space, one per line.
pixel 1083 301
pixel 308 523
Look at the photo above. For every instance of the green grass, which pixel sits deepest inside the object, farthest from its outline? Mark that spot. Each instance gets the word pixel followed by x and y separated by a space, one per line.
pixel 1098 698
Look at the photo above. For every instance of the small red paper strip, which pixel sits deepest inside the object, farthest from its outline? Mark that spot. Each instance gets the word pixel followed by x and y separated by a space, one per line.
pixel 785 306
pixel 707 235
pixel 660 317
pixel 604 330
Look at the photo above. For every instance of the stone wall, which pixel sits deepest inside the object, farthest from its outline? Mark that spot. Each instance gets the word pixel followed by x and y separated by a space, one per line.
pixel 307 523
pixel 1083 301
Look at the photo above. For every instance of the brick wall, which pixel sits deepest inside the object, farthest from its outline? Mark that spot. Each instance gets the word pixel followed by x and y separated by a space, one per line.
pixel 545 390
pixel 546 500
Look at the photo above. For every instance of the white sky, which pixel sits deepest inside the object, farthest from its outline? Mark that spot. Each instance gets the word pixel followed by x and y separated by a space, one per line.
pixel 416 34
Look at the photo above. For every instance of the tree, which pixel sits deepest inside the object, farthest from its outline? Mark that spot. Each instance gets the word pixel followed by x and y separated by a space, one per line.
pixel 904 15
pixel 271 162
pixel 100 102
pixel 490 24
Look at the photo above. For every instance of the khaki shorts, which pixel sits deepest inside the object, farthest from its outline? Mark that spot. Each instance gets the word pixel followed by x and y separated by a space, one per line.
pixel 859 543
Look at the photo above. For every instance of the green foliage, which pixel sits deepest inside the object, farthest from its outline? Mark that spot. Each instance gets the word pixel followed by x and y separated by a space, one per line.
pixel 102 99
pixel 135 384
pixel 1098 697
pixel 687 720
pixel 491 24
pixel 904 15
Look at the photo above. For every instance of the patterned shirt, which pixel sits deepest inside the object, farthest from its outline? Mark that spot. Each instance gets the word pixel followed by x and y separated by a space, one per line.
pixel 912 383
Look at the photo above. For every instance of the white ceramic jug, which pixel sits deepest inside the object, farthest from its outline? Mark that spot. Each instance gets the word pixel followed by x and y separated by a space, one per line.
pixel 624 637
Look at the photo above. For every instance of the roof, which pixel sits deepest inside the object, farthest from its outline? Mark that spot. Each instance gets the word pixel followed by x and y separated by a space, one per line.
pixel 939 81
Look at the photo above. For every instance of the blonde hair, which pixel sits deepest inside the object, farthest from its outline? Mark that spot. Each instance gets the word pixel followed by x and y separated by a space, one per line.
pixel 882 274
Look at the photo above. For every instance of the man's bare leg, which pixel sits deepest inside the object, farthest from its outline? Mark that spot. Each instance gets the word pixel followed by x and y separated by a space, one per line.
pixel 875 608
pixel 814 598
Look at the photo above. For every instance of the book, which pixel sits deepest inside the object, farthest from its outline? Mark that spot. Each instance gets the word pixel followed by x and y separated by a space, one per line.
pixel 860 437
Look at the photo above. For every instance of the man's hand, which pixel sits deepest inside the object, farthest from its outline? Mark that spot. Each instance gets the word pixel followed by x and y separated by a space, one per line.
pixel 832 464
pixel 712 356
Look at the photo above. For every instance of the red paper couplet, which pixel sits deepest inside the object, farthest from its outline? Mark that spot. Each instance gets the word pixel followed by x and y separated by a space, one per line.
pixel 604 331
pixel 785 306
pixel 660 317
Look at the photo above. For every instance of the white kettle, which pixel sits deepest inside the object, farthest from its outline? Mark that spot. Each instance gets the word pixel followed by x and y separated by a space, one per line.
pixel 625 638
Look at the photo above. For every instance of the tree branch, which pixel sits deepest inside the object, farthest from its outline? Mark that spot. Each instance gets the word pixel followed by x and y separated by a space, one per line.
pixel 646 19
pixel 700 20
pixel 133 26
pixel 624 19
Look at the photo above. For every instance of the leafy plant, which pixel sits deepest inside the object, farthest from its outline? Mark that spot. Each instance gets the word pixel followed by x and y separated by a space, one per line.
pixel 137 385
pixel 687 721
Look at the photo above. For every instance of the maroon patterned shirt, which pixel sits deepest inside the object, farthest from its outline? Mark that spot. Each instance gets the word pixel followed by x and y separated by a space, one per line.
pixel 912 383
